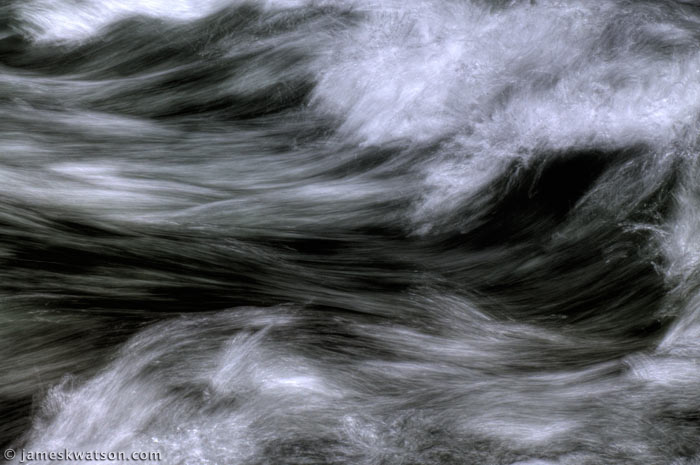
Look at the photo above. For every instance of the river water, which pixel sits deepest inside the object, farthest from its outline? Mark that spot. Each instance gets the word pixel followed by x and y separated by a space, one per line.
pixel 351 232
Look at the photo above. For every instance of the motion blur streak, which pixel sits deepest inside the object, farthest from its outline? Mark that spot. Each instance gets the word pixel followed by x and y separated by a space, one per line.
pixel 351 232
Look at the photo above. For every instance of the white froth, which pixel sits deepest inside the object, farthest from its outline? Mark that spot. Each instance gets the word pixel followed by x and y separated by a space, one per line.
pixel 166 393
pixel 68 20
pixel 505 81
pixel 667 371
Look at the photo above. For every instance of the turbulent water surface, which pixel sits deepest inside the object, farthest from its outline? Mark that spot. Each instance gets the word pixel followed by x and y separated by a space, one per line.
pixel 351 232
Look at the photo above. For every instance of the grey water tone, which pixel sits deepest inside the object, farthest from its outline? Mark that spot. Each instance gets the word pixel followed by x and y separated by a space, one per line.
pixel 351 232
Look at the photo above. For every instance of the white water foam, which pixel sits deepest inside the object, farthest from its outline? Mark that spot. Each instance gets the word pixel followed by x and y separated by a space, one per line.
pixel 495 81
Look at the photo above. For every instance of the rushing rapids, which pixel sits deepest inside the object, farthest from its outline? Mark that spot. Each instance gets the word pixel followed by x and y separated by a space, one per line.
pixel 351 232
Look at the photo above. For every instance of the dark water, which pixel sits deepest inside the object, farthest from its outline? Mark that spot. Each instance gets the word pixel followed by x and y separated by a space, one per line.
pixel 352 232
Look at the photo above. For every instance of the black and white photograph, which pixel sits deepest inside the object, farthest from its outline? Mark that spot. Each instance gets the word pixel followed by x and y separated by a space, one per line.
pixel 350 232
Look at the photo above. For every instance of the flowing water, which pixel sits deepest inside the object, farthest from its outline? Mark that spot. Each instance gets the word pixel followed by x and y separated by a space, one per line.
pixel 351 232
